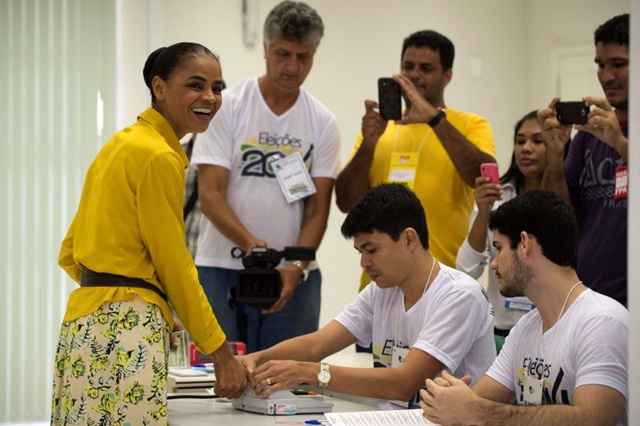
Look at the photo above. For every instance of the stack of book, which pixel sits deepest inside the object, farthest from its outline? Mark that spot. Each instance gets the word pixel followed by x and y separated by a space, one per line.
pixel 191 381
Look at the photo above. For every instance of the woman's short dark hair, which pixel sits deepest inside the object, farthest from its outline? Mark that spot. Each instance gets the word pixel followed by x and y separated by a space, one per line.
pixel 389 208
pixel 544 215
pixel 513 173
pixel 164 60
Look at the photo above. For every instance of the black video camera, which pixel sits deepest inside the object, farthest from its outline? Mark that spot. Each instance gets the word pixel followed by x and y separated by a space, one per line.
pixel 259 284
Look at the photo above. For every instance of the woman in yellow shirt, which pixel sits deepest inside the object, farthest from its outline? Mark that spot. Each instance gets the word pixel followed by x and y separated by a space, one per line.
pixel 126 249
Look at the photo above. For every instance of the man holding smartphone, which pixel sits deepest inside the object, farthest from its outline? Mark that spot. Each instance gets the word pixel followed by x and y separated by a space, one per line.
pixel 433 149
pixel 593 176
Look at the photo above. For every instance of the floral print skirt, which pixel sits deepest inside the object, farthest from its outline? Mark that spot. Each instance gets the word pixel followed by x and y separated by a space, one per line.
pixel 111 367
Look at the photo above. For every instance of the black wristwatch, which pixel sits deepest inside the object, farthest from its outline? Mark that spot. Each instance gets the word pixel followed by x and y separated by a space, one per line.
pixel 437 118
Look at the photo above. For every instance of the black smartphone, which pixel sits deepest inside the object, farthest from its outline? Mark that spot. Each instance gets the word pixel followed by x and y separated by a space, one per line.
pixel 572 112
pixel 389 98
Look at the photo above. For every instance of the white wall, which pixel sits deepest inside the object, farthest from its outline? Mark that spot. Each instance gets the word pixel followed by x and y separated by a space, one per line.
pixel 133 43
pixel 362 42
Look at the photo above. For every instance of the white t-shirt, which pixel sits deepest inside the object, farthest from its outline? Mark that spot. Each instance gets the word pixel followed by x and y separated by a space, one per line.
pixel 244 137
pixel 451 322
pixel 587 346
pixel 507 310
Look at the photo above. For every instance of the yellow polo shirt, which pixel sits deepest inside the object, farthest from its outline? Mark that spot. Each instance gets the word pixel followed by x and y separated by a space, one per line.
pixel 446 198
pixel 129 222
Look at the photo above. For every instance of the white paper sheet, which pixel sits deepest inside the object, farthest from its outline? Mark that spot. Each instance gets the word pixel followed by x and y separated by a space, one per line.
pixel 378 418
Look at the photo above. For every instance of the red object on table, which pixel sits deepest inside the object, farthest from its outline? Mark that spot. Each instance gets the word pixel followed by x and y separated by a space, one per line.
pixel 195 357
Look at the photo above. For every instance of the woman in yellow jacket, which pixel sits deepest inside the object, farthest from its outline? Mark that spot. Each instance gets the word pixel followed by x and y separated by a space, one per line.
pixel 126 249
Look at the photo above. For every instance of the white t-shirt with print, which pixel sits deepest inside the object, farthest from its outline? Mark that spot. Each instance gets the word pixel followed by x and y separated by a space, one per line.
pixel 245 136
pixel 587 346
pixel 451 322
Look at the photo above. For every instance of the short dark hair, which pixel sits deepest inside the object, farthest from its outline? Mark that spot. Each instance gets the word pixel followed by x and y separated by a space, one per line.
pixel 164 60
pixel 615 30
pixel 434 41
pixel 389 208
pixel 293 20
pixel 513 173
pixel 544 215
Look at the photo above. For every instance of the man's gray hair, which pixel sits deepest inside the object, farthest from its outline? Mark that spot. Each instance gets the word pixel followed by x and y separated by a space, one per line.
pixel 293 20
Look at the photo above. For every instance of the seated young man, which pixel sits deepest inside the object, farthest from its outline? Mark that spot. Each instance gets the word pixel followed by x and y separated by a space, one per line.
pixel 566 359
pixel 420 316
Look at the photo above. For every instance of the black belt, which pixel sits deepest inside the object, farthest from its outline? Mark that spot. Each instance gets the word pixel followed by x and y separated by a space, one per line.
pixel 89 278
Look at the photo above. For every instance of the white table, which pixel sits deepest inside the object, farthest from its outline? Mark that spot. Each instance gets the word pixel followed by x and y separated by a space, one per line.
pixel 187 412
pixel 219 412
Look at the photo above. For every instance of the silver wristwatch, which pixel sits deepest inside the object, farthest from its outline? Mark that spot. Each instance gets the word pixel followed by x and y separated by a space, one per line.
pixel 324 375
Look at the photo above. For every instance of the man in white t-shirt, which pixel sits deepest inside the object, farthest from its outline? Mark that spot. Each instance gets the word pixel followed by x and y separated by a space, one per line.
pixel 261 121
pixel 565 362
pixel 420 317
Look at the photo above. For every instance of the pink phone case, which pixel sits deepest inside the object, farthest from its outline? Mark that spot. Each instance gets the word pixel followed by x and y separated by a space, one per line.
pixel 490 170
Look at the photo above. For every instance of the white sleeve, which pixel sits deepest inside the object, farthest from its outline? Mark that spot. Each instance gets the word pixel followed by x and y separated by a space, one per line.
pixel 601 350
pixel 358 316
pixel 502 369
pixel 215 145
pixel 469 260
pixel 325 157
pixel 453 326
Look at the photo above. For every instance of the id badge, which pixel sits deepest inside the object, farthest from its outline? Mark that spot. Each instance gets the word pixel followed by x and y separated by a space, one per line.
pixel 532 392
pixel 622 183
pixel 398 356
pixel 514 305
pixel 402 168
pixel 293 177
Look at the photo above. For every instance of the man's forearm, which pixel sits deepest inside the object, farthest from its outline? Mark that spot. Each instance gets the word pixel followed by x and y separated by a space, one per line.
pixel 382 383
pixel 312 231
pixel 465 156
pixel 301 348
pixel 353 180
pixel 314 219
pixel 486 412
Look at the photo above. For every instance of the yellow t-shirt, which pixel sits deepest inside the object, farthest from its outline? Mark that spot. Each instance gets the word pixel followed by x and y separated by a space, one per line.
pixel 446 198
pixel 129 222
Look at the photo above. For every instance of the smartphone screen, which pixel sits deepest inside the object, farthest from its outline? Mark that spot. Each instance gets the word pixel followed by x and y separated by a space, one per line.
pixel 572 112
pixel 389 99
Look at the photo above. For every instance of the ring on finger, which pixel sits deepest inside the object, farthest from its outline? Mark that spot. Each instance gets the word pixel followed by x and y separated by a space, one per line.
pixel 269 381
